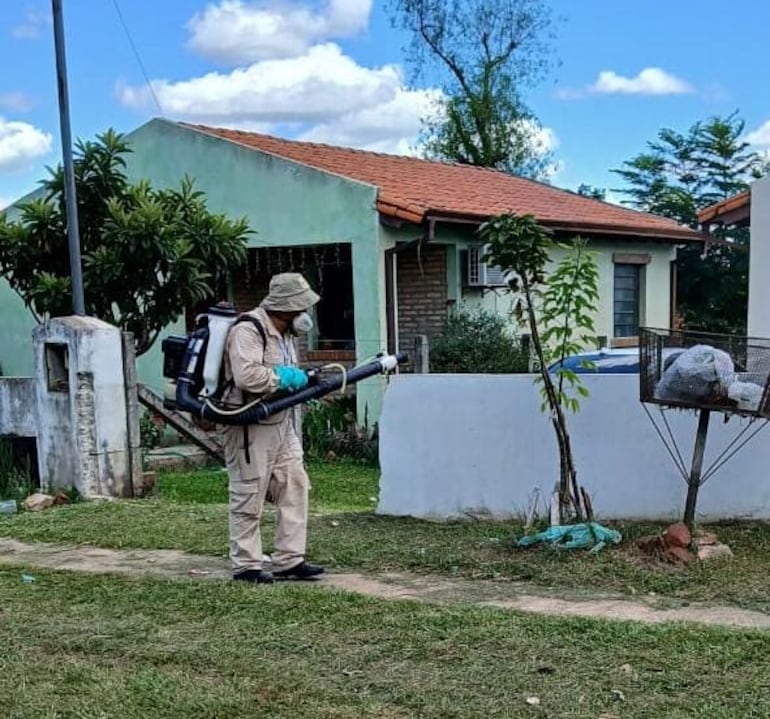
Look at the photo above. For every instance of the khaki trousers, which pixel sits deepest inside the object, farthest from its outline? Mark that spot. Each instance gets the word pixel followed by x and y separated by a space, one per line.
pixel 275 465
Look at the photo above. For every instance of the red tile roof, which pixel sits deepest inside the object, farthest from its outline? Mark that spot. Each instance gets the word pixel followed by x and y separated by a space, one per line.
pixel 413 189
pixel 735 207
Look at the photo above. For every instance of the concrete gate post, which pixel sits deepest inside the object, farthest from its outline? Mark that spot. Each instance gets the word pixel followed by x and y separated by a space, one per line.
pixel 82 409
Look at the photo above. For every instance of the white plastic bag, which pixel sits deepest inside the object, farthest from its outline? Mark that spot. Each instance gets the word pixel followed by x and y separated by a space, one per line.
pixel 747 395
pixel 700 372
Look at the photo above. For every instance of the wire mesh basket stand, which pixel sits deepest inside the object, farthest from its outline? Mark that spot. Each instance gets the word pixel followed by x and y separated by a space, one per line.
pixel 705 373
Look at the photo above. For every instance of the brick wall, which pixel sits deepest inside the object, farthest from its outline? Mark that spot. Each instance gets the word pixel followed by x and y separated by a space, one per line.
pixel 422 293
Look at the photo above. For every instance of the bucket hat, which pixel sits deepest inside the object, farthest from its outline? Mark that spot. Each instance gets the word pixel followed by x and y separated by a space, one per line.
pixel 289 292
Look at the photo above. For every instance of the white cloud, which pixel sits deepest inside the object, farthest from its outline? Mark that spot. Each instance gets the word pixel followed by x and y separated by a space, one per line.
pixel 317 87
pixel 389 127
pixel 760 136
pixel 21 143
pixel 16 101
pixel 544 139
pixel 239 32
pixel 650 81
pixel 296 86
pixel 32 25
pixel 4 202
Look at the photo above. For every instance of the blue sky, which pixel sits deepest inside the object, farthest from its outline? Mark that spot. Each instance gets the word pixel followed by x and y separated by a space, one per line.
pixel 333 71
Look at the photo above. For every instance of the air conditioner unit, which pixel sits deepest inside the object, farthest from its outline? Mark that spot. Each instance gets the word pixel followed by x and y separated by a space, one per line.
pixel 480 274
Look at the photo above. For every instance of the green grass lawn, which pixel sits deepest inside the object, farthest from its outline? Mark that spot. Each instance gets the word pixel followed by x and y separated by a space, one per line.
pixel 76 646
pixel 99 647
pixel 189 512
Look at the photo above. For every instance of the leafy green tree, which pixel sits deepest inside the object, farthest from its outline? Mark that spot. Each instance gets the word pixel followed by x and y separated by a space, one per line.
pixel 485 54
pixel 477 340
pixel 559 308
pixel 596 193
pixel 147 254
pixel 680 174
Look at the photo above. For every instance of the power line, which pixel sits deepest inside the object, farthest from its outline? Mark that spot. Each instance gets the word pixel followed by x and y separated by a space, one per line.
pixel 138 57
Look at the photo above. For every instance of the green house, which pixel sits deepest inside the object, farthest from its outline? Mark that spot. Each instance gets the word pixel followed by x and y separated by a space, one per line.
pixel 388 241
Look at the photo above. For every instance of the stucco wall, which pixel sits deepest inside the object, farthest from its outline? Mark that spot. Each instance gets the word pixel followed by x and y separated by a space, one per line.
pixel 16 345
pixel 479 443
pixel 18 407
pixel 759 261
pixel 656 292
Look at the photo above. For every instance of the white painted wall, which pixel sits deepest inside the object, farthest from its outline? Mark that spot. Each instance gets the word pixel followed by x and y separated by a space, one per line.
pixel 451 444
pixel 759 261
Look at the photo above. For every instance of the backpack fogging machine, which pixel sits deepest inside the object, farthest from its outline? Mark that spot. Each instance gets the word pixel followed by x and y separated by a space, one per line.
pixel 193 364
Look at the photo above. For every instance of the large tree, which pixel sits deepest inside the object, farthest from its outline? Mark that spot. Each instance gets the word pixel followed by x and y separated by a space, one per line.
pixel 680 174
pixel 485 54
pixel 147 254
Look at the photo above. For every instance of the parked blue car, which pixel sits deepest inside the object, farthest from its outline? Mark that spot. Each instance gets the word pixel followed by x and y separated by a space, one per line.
pixel 611 361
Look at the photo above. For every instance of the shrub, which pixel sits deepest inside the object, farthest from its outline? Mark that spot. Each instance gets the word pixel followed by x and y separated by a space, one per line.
pixel 477 341
pixel 15 475
pixel 150 430
pixel 329 428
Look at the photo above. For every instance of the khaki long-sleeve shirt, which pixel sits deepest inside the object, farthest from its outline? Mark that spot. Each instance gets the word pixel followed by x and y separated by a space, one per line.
pixel 249 362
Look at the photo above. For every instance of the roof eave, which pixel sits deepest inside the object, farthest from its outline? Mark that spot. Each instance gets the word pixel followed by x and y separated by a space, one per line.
pixel 674 234
pixel 732 210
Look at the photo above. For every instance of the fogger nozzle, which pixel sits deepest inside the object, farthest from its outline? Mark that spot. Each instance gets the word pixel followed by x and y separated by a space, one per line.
pixel 253 414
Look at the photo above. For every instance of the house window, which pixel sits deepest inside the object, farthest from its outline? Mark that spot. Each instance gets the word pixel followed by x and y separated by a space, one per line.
pixel 627 299
pixel 334 313
pixel 329 270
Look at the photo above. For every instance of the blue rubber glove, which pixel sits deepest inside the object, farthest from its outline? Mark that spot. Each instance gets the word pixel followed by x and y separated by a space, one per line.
pixel 291 378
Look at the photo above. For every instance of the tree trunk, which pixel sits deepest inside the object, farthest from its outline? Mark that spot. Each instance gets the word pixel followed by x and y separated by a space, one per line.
pixel 569 491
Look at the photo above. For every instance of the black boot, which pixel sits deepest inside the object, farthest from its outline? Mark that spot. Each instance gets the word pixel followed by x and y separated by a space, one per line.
pixel 302 571
pixel 255 576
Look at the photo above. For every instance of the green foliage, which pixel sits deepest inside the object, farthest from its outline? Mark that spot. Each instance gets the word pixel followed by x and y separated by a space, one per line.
pixel 15 477
pixel 147 254
pixel 477 341
pixel 680 174
pixel 567 312
pixel 486 53
pixel 150 430
pixel 562 305
pixel 596 193
pixel 517 243
pixel 329 429
pixel 560 312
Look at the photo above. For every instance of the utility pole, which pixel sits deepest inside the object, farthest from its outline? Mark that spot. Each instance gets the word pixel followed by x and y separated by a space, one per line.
pixel 70 196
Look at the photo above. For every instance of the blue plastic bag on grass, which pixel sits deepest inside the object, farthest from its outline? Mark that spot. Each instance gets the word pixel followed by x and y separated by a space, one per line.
pixel 575 536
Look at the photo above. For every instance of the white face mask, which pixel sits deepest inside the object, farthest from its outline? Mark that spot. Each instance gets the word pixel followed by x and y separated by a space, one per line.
pixel 302 323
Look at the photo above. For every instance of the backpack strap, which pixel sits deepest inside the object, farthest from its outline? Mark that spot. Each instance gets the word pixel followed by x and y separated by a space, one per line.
pixel 257 324
pixel 261 330
pixel 229 384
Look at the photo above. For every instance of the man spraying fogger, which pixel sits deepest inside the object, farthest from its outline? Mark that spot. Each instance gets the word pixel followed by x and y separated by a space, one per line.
pixel 260 358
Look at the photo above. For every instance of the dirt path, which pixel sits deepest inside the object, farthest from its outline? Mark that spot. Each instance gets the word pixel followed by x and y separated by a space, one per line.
pixel 171 564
